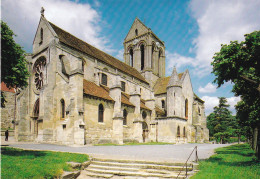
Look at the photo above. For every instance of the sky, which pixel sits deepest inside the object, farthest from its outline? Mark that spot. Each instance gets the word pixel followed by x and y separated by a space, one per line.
pixel 193 30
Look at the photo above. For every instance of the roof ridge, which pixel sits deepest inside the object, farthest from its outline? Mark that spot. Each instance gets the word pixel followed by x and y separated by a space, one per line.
pixel 95 48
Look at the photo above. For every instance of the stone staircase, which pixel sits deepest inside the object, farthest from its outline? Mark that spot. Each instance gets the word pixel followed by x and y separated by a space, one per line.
pixel 109 168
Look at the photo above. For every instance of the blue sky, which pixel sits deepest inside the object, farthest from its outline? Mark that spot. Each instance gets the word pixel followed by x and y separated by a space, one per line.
pixel 192 30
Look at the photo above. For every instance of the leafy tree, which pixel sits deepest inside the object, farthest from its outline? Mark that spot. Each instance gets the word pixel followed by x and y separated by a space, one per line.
pixel 239 63
pixel 13 65
pixel 220 121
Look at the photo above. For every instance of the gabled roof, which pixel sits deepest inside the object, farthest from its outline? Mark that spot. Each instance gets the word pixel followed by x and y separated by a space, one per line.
pixel 4 88
pixel 142 105
pixel 197 98
pixel 77 44
pixel 161 84
pixel 159 111
pixel 91 89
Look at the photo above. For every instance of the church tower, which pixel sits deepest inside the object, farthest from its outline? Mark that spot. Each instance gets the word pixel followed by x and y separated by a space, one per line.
pixel 144 51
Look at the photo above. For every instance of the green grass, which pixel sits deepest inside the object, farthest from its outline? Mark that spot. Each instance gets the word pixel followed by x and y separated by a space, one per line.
pixel 236 161
pixel 17 163
pixel 134 143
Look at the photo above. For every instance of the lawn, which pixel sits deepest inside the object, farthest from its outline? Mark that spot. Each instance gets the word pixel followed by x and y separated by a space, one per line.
pixel 17 163
pixel 236 161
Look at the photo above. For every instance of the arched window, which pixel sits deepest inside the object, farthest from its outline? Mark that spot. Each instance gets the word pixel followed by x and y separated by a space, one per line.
pixel 199 110
pixel 125 116
pixel 41 36
pixel 152 60
pixel 36 108
pixel 142 56
pixel 100 113
pixel 186 108
pixel 184 132
pixel 83 64
pixel 104 79
pixel 144 114
pixel 178 131
pixel 131 57
pixel 62 108
pixel 163 104
pixel 136 32
pixel 159 56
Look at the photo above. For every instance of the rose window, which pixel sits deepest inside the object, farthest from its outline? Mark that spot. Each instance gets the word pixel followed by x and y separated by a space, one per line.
pixel 39 73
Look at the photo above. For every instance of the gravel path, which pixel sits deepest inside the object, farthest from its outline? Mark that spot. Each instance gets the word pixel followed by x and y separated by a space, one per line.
pixel 137 152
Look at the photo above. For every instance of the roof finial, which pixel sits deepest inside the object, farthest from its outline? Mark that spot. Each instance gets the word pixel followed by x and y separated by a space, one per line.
pixel 42 11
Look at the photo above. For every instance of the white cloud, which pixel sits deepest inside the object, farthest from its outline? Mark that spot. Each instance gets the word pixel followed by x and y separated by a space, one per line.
pixel 209 88
pixel 80 19
pixel 219 22
pixel 212 101
pixel 120 55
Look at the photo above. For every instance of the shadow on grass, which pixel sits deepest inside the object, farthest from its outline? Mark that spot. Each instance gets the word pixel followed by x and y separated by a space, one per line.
pixel 17 152
pixel 241 152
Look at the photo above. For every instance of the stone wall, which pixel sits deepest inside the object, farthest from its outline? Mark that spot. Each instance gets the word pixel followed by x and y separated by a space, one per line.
pixel 8 112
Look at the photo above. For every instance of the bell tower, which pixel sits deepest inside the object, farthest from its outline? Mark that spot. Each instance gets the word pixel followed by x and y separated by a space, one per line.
pixel 144 51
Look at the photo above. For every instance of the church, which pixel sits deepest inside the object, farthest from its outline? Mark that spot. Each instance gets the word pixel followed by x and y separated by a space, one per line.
pixel 78 94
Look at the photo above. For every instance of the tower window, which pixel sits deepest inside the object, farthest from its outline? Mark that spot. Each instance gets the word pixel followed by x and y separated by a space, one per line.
pixel 131 57
pixel 123 86
pixel 125 116
pixel 136 32
pixel 104 79
pixel 163 104
pixel 178 131
pixel 186 108
pixel 100 113
pixel 62 106
pixel 152 60
pixel 159 56
pixel 41 36
pixel 142 56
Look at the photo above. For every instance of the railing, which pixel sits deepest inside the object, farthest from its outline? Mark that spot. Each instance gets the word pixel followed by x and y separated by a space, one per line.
pixel 186 163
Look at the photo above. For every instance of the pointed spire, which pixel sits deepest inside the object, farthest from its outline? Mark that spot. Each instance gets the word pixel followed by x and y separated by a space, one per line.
pixel 174 80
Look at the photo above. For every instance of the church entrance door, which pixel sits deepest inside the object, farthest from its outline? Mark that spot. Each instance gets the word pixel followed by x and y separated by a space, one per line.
pixel 145 131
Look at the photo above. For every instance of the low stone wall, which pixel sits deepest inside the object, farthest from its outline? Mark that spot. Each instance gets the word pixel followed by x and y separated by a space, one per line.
pixel 11 133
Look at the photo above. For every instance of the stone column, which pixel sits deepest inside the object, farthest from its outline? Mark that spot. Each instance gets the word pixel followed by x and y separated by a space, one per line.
pixel 115 94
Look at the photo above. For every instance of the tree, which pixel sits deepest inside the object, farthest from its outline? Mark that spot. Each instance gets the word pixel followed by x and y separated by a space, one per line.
pixel 239 63
pixel 14 65
pixel 220 122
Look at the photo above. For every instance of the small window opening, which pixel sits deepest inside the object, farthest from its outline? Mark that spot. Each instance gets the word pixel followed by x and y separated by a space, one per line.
pixel 104 79
pixel 62 104
pixel 144 115
pixel 178 131
pixel 184 132
pixel 100 113
pixel 41 36
pixel 136 32
pixel 186 108
pixel 64 126
pixel 163 104
pixel 123 86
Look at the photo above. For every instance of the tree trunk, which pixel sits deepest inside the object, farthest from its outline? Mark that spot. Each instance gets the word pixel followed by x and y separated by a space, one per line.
pixel 254 142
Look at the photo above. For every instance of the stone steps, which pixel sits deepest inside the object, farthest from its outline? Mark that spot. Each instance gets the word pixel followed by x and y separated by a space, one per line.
pixel 110 168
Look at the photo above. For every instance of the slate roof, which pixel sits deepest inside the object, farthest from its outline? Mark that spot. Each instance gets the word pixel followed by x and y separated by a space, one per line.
pixel 142 105
pixel 4 88
pixel 197 98
pixel 90 88
pixel 161 84
pixel 77 44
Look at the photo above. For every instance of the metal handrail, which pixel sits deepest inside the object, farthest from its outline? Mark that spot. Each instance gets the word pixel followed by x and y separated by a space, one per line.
pixel 196 160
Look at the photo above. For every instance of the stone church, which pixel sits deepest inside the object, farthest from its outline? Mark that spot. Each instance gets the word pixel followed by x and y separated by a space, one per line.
pixel 78 94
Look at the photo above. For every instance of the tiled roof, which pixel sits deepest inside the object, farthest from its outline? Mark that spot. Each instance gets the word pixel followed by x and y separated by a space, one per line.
pixel 159 111
pixel 84 47
pixel 142 105
pixel 4 88
pixel 161 84
pixel 125 99
pixel 90 88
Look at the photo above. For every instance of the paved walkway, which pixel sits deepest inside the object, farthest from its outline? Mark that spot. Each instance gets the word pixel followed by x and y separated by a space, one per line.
pixel 168 153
